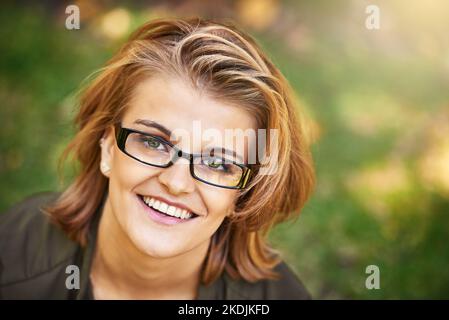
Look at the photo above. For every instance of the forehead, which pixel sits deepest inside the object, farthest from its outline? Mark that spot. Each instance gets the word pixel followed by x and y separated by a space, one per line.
pixel 173 103
pixel 178 104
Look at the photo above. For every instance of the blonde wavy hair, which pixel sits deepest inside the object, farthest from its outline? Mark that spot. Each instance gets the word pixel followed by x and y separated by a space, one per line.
pixel 230 66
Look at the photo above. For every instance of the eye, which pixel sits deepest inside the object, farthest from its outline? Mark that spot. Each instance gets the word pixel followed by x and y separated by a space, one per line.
pixel 152 143
pixel 216 164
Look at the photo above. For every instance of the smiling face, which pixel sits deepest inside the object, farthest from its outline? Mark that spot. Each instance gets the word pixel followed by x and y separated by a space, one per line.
pixel 173 104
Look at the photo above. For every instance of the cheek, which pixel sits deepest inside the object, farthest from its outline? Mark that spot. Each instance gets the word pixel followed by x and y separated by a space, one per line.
pixel 218 201
pixel 127 173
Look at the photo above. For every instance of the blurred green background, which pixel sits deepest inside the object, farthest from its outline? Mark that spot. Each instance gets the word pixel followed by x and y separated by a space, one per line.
pixel 379 100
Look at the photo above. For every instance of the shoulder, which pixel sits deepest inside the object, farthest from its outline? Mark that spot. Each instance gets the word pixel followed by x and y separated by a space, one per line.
pixel 287 287
pixel 31 247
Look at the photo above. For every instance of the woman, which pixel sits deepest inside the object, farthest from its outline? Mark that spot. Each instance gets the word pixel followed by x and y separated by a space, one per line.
pixel 151 215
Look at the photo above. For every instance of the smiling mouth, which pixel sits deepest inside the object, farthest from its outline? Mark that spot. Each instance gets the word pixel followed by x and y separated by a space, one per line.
pixel 166 209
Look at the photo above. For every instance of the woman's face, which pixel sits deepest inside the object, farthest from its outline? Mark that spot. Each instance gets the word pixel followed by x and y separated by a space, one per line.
pixel 173 104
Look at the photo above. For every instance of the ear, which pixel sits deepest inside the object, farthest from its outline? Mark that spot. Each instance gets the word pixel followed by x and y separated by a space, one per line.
pixel 107 152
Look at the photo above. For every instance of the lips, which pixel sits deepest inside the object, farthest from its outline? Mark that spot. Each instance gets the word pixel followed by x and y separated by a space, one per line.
pixel 167 208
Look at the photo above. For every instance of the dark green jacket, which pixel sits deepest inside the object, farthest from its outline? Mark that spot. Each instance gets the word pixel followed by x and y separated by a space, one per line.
pixel 34 255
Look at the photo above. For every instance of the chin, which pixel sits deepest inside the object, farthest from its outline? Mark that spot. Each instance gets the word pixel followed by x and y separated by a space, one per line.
pixel 153 244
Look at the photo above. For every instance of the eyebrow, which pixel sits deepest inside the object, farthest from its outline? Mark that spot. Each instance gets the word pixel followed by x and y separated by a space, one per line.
pixel 165 130
pixel 223 152
pixel 152 124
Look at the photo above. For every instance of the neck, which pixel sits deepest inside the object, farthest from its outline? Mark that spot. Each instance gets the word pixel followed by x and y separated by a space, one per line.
pixel 121 270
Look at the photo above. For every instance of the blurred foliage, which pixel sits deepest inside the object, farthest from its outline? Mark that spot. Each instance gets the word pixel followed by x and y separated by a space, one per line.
pixel 378 100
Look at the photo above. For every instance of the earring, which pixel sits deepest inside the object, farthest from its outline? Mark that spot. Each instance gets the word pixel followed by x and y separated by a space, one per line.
pixel 104 167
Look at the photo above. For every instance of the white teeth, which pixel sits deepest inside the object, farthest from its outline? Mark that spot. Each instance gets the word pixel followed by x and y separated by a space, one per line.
pixel 163 207
pixel 171 210
pixel 186 214
pixel 167 209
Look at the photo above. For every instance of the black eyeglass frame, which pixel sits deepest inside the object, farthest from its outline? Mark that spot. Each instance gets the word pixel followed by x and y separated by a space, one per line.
pixel 122 134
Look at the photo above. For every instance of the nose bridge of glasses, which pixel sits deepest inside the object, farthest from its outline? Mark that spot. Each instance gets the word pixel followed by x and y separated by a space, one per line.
pixel 178 155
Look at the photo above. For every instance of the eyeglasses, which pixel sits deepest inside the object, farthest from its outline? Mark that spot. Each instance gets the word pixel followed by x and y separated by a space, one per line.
pixel 156 151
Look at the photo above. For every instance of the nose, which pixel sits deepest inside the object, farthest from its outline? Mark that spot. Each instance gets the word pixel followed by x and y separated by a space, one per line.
pixel 177 178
